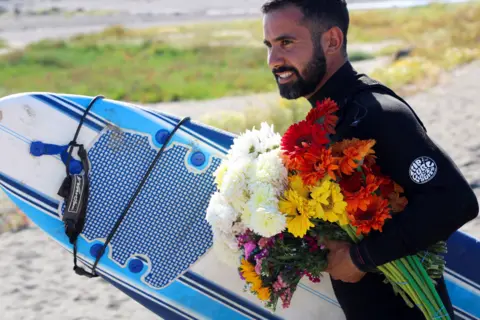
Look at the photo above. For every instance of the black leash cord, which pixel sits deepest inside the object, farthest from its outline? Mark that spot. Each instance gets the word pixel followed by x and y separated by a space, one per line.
pixel 73 143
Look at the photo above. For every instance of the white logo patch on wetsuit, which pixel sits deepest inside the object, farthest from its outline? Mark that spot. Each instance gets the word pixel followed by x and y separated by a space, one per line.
pixel 422 170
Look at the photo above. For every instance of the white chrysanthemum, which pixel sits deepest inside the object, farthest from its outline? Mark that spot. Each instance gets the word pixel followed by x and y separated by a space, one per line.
pixel 269 139
pixel 269 169
pixel 220 172
pixel 246 216
pixel 246 145
pixel 262 195
pixel 234 185
pixel 268 221
pixel 220 214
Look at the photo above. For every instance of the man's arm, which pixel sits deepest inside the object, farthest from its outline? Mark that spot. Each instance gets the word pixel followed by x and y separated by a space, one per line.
pixel 440 199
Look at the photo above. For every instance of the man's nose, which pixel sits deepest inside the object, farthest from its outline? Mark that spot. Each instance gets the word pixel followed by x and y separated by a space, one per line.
pixel 275 60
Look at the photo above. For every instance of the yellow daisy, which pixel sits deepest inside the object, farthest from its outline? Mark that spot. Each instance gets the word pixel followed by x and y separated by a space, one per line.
pixel 296 209
pixel 335 211
pixel 320 198
pixel 296 183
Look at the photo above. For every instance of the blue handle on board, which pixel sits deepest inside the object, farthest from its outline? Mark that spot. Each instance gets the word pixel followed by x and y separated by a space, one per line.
pixel 38 148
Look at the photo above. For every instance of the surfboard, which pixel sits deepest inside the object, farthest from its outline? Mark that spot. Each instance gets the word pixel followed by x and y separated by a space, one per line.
pixel 161 253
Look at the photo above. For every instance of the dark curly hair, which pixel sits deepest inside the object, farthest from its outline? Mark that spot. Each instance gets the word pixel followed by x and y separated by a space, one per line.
pixel 320 15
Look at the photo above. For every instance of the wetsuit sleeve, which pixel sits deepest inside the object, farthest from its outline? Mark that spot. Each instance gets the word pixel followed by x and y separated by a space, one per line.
pixel 440 200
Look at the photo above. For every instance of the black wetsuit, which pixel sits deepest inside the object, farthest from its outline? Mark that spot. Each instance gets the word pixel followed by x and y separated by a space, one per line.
pixel 440 199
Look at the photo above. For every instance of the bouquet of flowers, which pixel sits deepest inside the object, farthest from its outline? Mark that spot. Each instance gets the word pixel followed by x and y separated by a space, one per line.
pixel 279 197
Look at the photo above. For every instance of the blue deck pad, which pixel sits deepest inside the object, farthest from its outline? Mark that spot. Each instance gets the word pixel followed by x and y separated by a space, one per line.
pixel 166 224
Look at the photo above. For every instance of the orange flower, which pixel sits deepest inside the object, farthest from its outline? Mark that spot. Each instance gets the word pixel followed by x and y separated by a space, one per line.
pixel 323 115
pixel 373 217
pixel 352 153
pixel 318 162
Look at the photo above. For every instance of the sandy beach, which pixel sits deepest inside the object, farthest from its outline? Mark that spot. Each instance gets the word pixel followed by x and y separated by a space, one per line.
pixel 36 277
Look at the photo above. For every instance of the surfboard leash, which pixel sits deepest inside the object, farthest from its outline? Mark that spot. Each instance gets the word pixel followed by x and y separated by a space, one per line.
pixel 75 189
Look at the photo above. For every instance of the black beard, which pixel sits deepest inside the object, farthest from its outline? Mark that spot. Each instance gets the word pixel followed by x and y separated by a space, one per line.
pixel 303 86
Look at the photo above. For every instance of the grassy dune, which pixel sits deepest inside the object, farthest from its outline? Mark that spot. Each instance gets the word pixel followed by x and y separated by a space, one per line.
pixel 209 60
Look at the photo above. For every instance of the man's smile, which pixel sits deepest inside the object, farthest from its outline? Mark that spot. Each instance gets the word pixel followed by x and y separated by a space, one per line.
pixel 284 77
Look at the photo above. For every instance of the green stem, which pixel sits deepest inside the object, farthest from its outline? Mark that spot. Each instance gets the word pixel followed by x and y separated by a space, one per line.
pixel 400 283
pixel 351 233
pixel 417 275
pixel 407 287
pixel 409 274
pixel 441 311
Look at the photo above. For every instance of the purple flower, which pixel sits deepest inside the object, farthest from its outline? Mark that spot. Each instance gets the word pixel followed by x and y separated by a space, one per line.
pixel 249 247
pixel 262 254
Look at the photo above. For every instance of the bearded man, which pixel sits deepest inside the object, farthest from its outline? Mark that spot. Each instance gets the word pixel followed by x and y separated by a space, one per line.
pixel 307 53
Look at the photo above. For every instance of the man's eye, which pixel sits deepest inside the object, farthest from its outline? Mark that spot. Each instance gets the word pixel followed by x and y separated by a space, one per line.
pixel 286 42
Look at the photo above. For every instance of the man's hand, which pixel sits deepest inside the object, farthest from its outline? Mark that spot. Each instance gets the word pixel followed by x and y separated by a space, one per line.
pixel 340 264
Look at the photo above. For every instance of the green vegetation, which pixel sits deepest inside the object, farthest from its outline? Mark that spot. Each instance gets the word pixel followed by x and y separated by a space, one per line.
pixel 443 36
pixel 3 44
pixel 210 60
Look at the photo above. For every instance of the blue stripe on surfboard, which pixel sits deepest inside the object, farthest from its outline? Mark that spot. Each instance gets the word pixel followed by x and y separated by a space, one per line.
pixel 80 108
pixel 211 289
pixel 34 194
pixel 460 246
pixel 66 110
pixel 463 297
pixel 14 134
pixel 163 311
pixel 462 279
pixel 192 133
pixel 463 315
pixel 27 200
pixel 223 138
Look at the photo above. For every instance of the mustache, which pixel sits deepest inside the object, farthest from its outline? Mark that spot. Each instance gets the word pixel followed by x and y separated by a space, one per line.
pixel 285 69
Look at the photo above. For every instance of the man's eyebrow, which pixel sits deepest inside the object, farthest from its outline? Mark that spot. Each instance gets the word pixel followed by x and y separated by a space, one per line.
pixel 280 38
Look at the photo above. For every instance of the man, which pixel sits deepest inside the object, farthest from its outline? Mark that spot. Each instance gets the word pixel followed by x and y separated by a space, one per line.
pixel 307 53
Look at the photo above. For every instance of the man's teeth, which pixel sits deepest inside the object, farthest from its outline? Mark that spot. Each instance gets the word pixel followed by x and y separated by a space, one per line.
pixel 284 75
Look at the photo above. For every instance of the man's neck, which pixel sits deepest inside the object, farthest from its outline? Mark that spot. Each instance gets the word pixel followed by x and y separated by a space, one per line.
pixel 330 72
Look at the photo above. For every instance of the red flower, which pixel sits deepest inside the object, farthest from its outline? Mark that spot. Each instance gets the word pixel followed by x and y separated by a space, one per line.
pixel 297 140
pixel 323 114
pixel 352 184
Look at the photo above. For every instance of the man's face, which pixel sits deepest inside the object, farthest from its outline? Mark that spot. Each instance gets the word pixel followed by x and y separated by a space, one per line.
pixel 297 62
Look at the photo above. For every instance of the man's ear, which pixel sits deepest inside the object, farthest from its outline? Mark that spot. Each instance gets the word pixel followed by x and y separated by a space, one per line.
pixel 332 40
